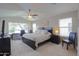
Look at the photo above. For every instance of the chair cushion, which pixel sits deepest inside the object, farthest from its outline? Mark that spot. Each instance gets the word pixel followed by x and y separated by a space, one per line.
pixel 66 40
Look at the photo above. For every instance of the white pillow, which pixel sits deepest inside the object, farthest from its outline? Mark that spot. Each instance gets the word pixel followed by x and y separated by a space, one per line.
pixel 42 31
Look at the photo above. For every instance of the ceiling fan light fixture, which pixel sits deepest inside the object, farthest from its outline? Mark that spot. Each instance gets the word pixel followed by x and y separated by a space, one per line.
pixel 30 17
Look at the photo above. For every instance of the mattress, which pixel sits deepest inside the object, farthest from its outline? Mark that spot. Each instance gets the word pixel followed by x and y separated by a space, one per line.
pixel 37 37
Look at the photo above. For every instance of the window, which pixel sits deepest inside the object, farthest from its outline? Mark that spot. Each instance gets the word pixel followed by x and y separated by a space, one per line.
pixel 34 27
pixel 17 27
pixel 65 26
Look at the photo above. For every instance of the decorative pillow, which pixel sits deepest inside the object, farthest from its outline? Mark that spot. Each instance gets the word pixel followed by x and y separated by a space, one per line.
pixel 42 31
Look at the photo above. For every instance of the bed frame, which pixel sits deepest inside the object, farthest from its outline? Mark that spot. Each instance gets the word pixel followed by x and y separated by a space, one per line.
pixel 31 43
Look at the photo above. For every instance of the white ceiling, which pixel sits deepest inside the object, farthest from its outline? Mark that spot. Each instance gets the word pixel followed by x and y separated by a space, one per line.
pixel 42 9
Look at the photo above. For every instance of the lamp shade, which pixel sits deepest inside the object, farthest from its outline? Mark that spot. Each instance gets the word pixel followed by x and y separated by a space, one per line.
pixel 56 30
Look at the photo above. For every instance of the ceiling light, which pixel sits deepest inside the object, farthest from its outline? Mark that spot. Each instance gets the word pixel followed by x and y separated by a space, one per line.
pixel 30 17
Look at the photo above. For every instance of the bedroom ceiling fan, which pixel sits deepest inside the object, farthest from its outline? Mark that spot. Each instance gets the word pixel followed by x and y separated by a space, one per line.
pixel 30 15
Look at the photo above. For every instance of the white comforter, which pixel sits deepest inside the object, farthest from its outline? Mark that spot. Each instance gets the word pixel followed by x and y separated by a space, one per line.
pixel 37 37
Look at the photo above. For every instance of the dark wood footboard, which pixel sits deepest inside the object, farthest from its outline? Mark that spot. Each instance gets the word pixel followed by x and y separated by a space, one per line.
pixel 29 42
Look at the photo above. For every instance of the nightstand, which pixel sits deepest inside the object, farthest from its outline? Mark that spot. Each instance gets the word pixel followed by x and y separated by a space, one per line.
pixel 55 39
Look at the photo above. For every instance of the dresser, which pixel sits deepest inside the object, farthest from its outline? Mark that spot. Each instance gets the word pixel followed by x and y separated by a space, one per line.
pixel 5 46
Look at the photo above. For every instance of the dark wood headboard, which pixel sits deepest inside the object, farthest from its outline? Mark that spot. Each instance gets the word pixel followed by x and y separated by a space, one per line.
pixel 50 30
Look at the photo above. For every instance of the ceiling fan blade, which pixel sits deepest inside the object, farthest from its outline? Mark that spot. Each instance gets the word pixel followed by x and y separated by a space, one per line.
pixel 29 14
pixel 34 15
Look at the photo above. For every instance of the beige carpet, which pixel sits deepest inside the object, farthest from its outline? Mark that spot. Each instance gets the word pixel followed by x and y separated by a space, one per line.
pixel 18 48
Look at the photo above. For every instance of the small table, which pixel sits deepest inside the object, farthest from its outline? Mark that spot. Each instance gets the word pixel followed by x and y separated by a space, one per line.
pixel 55 39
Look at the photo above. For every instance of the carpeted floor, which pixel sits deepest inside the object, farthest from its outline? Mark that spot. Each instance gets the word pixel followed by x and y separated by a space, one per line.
pixel 18 48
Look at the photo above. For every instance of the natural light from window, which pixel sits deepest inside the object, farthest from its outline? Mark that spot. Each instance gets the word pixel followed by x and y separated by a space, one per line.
pixel 34 27
pixel 17 27
pixel 65 26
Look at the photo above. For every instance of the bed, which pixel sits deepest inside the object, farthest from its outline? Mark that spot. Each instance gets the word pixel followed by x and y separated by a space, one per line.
pixel 34 40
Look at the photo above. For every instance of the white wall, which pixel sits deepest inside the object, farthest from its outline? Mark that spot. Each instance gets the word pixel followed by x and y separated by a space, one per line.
pixel 42 23
pixel 55 19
